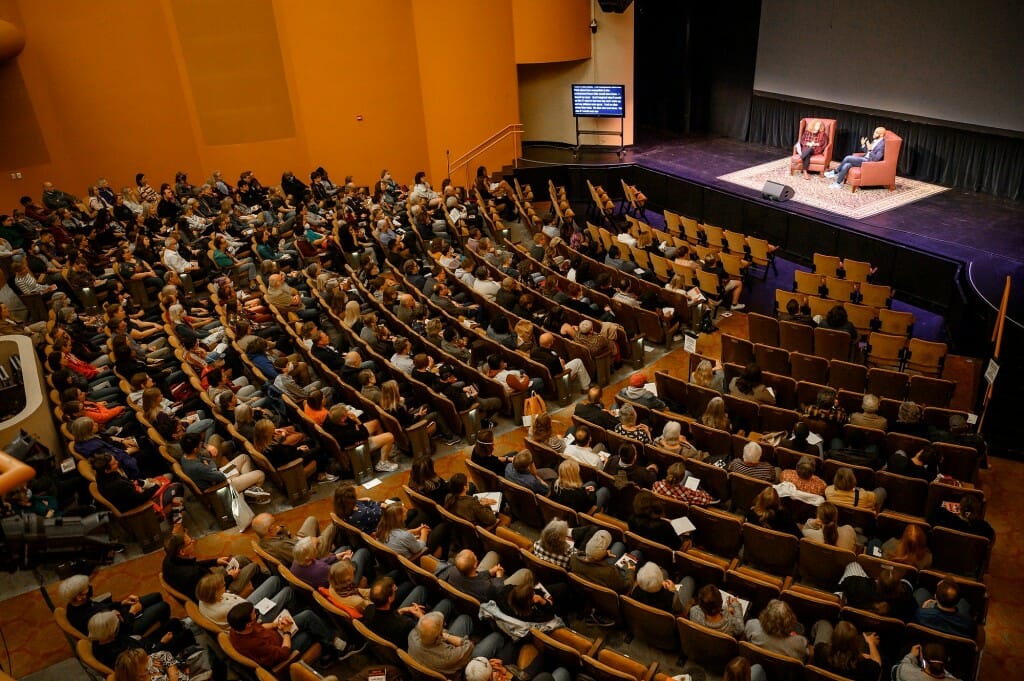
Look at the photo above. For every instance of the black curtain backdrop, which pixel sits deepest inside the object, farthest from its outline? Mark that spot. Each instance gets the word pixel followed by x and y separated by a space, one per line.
pixel 952 157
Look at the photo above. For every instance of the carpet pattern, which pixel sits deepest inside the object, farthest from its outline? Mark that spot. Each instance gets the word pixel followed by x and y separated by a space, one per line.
pixel 815 192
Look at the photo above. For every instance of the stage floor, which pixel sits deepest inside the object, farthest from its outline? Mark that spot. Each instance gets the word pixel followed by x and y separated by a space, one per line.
pixel 985 232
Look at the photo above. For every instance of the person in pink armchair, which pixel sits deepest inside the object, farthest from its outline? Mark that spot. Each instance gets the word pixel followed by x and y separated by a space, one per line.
pixel 812 141
pixel 875 151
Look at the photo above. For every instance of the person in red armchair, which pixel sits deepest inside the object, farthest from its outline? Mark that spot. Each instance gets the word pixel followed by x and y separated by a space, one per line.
pixel 874 151
pixel 812 141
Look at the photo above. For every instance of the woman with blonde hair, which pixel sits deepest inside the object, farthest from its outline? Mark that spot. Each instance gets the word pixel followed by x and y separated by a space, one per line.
pixel 825 529
pixel 715 417
pixel 707 376
pixel 570 490
pixel 281 446
pixel 541 432
pixel 309 567
pixel 353 316
pixel 408 542
pixel 215 601
pixel 678 284
pixel 343 590
pixel 844 490
pixel 524 335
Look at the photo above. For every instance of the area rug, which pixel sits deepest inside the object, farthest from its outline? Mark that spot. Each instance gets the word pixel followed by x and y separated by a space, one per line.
pixel 815 192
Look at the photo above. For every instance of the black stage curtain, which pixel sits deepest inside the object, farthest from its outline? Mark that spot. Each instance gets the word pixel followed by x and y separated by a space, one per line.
pixel 974 161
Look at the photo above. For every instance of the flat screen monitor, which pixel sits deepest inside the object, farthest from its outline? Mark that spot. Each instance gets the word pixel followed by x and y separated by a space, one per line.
pixel 598 101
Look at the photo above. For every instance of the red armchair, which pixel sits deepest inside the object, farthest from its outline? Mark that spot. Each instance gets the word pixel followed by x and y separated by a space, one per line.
pixel 820 161
pixel 878 173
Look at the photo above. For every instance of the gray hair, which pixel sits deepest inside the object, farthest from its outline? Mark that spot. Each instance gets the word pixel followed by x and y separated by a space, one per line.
pixel 649 577
pixel 751 452
pixel 552 537
pixel 82 428
pixel 103 625
pixel 305 550
pixel 670 433
pixel 805 467
pixel 869 404
pixel 627 415
pixel 73 586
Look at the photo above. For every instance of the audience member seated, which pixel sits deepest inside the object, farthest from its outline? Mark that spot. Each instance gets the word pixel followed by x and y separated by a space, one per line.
pixel 596 563
pixel 767 512
pixel 240 472
pixel 844 653
pixel 449 651
pixel 798 441
pixel 750 464
pixel 581 451
pixel 945 610
pixel 888 595
pixel 268 644
pixel 714 415
pixel 729 284
pixel 139 612
pixel 637 392
pixel 215 601
pixel 628 426
pixel 749 385
pixel 541 432
pixel 966 519
pixel 182 570
pixel 554 544
pixel 825 417
pixel 522 471
pixel 923 663
pixel 344 590
pixel 910 549
pixel 714 611
pixel 803 477
pixel 837 320
pixel 345 427
pixel 654 588
pixel 775 630
pixel 824 528
pixel 313 570
pixel 625 463
pixel 844 490
pixel 276 540
pixel 674 485
pixel 528 604
pixel 648 520
pixel 797 313
pixel 707 375
pixel 362 512
pixel 412 542
pixel 868 415
pixel 469 507
pixel 672 440
pixel 908 421
pixel 592 409
pixel 924 465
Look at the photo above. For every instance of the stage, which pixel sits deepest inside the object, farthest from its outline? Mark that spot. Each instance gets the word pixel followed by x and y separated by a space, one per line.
pixel 982 233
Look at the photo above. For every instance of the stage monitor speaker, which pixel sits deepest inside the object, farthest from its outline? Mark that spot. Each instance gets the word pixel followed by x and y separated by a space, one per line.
pixel 776 191
pixel 615 6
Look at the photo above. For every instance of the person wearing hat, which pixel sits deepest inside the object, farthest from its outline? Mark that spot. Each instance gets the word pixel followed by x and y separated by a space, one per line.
pixel 636 392
pixel 597 563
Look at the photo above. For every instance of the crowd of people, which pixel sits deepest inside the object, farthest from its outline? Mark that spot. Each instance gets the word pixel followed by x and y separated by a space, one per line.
pixel 382 287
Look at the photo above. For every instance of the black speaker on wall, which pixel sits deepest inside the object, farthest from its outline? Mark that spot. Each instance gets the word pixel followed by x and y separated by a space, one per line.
pixel 776 191
pixel 615 6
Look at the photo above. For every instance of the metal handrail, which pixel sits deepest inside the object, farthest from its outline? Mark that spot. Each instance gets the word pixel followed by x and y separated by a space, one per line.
pixel 514 130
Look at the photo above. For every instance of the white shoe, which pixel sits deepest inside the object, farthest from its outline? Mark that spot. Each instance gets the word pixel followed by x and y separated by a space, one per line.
pixel 737 307
pixel 830 173
pixel 386 466
pixel 835 185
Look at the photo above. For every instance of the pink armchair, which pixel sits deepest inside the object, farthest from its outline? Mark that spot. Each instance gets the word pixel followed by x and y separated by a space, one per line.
pixel 878 173
pixel 820 161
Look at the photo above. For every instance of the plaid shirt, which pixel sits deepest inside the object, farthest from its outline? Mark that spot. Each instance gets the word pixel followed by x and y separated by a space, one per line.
pixel 690 496
pixel 813 486
pixel 561 561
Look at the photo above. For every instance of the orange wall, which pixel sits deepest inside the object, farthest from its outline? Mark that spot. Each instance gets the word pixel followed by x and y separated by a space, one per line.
pixel 548 31
pixel 468 78
pixel 110 91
